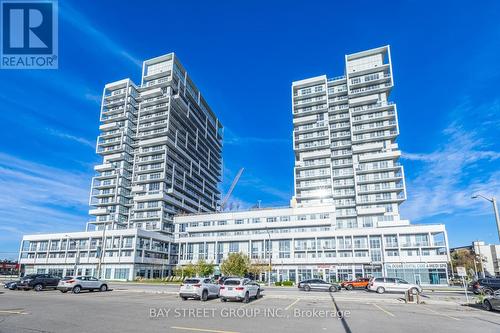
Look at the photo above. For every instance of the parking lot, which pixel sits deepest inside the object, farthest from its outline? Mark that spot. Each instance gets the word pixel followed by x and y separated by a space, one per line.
pixel 132 308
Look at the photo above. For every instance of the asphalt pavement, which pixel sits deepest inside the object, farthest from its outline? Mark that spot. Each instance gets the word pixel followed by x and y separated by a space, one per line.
pixel 157 308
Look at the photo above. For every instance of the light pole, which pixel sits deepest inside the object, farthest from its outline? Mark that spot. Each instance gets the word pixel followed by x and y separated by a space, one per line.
pixel 270 251
pixel 493 200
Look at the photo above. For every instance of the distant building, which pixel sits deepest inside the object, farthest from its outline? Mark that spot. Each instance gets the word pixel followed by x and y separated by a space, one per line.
pixel 9 267
pixel 490 254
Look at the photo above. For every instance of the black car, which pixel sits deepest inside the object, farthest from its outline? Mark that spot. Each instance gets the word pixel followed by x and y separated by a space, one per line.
pixel 38 282
pixel 487 286
pixel 12 285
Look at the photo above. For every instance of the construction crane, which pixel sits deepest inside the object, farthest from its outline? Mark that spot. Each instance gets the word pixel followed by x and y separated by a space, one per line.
pixel 231 188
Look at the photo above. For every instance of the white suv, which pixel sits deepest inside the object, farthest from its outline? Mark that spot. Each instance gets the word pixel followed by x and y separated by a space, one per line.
pixel 383 284
pixel 79 283
pixel 199 288
pixel 239 289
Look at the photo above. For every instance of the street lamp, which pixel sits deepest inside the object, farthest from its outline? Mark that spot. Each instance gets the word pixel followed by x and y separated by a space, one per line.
pixel 270 251
pixel 495 209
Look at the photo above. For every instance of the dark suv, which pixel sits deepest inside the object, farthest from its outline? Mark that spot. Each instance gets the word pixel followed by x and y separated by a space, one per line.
pixel 487 286
pixel 38 282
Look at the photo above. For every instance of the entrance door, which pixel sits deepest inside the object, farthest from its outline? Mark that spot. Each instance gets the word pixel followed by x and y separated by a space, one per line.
pixel 417 279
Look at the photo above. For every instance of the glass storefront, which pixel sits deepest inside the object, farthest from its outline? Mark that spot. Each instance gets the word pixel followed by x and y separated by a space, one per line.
pixel 420 275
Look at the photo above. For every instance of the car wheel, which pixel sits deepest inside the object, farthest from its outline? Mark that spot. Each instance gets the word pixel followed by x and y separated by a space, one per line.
pixel 38 287
pixel 332 289
pixel 258 294
pixel 488 292
pixel 204 296
pixel 487 305
pixel 380 290
pixel 223 299
pixel 414 291
pixel 349 287
pixel 104 287
pixel 184 298
pixel 247 297
pixel 307 288
pixel 77 289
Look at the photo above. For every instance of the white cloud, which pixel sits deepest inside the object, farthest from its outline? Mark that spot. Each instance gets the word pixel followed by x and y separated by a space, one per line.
pixel 462 165
pixel 39 198
pixel 80 22
pixel 71 137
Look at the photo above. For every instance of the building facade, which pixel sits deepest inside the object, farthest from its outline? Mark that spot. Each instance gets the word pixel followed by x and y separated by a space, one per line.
pixel 129 253
pixel 161 148
pixel 344 139
pixel 155 195
pixel 346 157
pixel 304 243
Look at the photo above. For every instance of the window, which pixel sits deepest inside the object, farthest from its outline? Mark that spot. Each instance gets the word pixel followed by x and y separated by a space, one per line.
pixel 154 186
pixel 121 273
pixel 234 247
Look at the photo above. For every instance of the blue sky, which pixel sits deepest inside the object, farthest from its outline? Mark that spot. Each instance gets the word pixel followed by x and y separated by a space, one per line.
pixel 243 57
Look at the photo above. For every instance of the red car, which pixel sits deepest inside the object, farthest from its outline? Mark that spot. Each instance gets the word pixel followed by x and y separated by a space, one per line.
pixel 358 283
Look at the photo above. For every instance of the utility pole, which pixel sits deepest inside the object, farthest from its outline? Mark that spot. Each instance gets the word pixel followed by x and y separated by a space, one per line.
pixel 493 200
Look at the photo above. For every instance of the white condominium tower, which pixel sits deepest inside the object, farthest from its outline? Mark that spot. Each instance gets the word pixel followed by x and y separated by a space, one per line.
pixel 344 136
pixel 161 147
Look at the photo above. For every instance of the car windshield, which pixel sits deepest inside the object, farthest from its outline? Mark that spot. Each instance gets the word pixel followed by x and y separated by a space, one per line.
pixel 191 281
pixel 232 282
pixel 66 278
pixel 31 276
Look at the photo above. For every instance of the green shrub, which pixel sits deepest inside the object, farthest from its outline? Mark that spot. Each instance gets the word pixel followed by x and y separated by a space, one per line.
pixel 277 284
pixel 287 283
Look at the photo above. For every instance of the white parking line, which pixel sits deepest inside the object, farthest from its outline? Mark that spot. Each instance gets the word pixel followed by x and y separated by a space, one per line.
pixel 292 304
pixel 200 329
pixel 13 312
pixel 384 310
pixel 438 313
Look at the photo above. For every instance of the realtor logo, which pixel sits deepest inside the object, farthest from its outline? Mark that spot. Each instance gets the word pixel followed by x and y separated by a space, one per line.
pixel 29 34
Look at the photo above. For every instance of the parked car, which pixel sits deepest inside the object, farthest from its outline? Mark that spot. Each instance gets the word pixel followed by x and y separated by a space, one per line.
pixel 383 284
pixel 12 285
pixel 358 283
pixel 79 283
pixel 199 288
pixel 38 282
pixel 240 289
pixel 487 286
pixel 318 284
pixel 492 302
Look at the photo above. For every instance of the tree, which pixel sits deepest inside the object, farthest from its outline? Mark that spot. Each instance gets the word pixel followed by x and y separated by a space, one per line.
pixel 186 271
pixel 467 259
pixel 256 268
pixel 235 264
pixel 204 269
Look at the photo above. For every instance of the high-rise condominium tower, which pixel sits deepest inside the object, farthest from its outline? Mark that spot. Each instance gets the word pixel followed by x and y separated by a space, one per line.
pixel 344 137
pixel 162 150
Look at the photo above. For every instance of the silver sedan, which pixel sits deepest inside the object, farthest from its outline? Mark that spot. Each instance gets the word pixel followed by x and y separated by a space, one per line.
pixel 492 302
